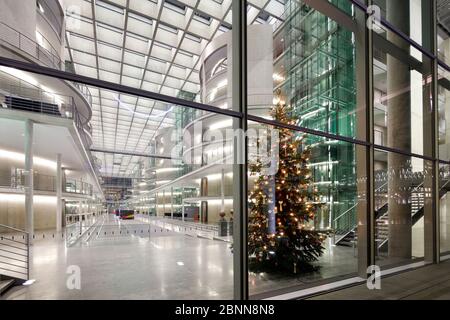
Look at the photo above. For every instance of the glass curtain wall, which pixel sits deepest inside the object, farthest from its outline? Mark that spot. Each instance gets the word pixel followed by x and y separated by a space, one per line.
pixel 355 172
pixel 314 84
pixel 319 82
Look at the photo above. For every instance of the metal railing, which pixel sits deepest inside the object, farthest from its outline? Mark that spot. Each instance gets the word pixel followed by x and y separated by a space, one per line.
pixel 77 186
pixel 14 253
pixel 15 179
pixel 47 56
pixel 45 53
pixel 24 97
pixel 349 217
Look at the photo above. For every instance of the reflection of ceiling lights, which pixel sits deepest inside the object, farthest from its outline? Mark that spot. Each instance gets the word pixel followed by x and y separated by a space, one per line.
pixel 278 101
pixel 41 9
pixel 161 170
pixel 312 113
pixel 21 157
pixel 23 76
pixel 214 91
pixel 278 77
pixel 221 124
pixel 162 181
pixel 218 176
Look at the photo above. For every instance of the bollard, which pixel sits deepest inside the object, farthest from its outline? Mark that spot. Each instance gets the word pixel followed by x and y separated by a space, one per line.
pixel 223 224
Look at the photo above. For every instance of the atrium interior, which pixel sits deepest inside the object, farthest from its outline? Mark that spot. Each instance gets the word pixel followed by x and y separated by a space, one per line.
pixel 219 149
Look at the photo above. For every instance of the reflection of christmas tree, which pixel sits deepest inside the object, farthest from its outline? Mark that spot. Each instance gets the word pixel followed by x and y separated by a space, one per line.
pixel 292 243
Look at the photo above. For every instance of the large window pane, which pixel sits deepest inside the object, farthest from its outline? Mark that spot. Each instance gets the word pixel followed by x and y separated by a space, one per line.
pixel 444 208
pixel 409 17
pixel 402 112
pixel 443 36
pixel 156 225
pixel 444 114
pixel 303 214
pixel 311 67
pixel 402 200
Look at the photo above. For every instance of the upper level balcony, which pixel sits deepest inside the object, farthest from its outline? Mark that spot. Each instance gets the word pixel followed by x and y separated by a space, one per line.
pixel 18 45
pixel 15 179
pixel 19 97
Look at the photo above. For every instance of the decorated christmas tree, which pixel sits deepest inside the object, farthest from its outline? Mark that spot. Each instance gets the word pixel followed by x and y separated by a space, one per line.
pixel 282 207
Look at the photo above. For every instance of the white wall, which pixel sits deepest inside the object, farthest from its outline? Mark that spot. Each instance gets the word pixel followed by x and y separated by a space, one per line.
pixel 20 15
pixel 12 211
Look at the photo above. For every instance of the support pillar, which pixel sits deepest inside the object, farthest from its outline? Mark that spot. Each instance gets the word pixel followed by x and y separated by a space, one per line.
pixel 222 191
pixel 399 137
pixel 171 203
pixel 164 203
pixel 58 194
pixel 240 180
pixel 29 185
pixel 364 155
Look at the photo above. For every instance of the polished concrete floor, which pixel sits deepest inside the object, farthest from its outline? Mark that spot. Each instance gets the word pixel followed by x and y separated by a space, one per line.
pixel 142 259
pixel 159 265
pixel 137 259
pixel 426 283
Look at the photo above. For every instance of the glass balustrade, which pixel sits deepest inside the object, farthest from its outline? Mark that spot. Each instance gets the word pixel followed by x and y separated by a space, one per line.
pixel 14 178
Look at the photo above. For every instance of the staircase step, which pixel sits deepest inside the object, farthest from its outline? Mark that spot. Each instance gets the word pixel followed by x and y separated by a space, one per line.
pixel 5 285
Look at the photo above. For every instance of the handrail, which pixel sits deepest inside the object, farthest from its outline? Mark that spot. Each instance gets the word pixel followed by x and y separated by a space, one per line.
pixel 37 93
pixel 11 255
pixel 14 181
pixel 12 228
pixel 354 206
pixel 54 55
pixel 21 37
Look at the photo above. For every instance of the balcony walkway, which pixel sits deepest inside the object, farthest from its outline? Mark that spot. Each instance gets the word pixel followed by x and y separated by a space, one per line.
pixel 430 282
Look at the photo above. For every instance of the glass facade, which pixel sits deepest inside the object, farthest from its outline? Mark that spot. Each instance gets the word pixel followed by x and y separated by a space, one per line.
pixel 376 188
pixel 354 172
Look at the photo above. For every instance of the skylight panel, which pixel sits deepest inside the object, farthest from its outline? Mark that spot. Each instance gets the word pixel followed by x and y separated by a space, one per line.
pixel 203 18
pixel 162 53
pixel 109 14
pixel 224 27
pixel 82 43
pixel 131 82
pixel 108 34
pixel 134 59
pixel 175 5
pixel 110 52
pixel 150 86
pixel 109 76
pixel 140 25
pixel 157 65
pixel 136 43
pixel 110 65
pixel 131 71
pixel 85 71
pixel 84 58
pixel 193 38
pixel 80 26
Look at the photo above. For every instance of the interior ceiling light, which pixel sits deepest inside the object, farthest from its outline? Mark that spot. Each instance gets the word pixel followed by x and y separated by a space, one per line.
pixel 221 124
pixel 143 115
